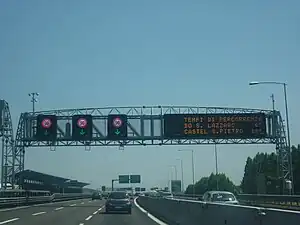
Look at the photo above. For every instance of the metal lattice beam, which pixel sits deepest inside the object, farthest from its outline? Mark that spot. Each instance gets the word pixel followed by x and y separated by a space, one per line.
pixel 145 127
pixel 7 139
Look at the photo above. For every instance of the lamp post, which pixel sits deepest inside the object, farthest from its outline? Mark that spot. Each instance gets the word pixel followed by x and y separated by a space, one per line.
pixel 193 165
pixel 181 167
pixel 216 161
pixel 175 169
pixel 287 121
pixel 33 96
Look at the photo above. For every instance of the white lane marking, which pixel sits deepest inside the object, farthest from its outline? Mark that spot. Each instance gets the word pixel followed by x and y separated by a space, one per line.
pixel 39 213
pixel 82 202
pixel 94 213
pixel 16 208
pixel 81 224
pixel 59 208
pixel 148 214
pixel 90 201
pixel 88 218
pixel 101 208
pixel 73 205
pixel 25 207
pixel 8 221
pixel 50 203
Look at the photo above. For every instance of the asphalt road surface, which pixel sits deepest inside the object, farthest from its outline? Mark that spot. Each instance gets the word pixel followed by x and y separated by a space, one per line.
pixel 77 212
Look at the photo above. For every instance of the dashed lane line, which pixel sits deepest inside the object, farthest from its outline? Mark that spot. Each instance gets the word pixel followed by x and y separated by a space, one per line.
pixel 38 213
pixel 73 205
pixel 88 218
pixel 8 221
pixel 58 208
pixel 15 208
pixel 35 205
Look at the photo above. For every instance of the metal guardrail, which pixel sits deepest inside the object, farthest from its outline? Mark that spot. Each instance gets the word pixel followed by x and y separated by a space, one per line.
pixel 274 201
pixel 20 201
pixel 191 212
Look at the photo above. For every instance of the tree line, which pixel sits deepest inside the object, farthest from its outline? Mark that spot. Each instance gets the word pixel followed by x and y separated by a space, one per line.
pixel 262 175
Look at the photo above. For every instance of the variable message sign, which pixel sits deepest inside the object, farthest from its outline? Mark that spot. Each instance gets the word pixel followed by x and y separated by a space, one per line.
pixel 217 126
pixel 82 127
pixel 46 128
pixel 117 127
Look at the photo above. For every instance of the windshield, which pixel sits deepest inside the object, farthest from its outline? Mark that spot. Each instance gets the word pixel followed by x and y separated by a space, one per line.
pixel 118 195
pixel 223 197
pixel 199 100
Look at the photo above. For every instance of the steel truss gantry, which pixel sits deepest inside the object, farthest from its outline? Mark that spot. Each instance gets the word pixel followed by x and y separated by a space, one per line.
pixel 7 142
pixel 145 127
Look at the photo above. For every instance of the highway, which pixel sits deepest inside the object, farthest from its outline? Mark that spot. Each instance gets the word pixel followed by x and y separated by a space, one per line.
pixel 76 212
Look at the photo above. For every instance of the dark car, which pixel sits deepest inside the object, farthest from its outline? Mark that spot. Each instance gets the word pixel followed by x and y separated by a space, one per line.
pixel 118 201
pixel 96 195
pixel 105 195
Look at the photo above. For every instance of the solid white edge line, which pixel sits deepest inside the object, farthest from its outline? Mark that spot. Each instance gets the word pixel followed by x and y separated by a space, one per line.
pixel 148 214
pixel 38 213
pixel 88 218
pixel 8 221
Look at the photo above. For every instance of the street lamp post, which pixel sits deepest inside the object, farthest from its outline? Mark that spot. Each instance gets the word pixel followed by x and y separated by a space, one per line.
pixel 287 122
pixel 33 96
pixel 193 165
pixel 175 169
pixel 216 161
pixel 181 166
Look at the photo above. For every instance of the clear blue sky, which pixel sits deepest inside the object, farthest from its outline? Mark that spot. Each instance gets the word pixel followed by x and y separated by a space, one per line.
pixel 121 53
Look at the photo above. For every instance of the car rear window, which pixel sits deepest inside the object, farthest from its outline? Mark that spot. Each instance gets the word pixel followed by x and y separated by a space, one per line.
pixel 118 195
pixel 223 197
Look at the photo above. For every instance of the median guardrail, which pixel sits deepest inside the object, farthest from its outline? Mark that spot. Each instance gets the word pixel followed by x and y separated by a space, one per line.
pixel 274 201
pixel 189 212
pixel 20 201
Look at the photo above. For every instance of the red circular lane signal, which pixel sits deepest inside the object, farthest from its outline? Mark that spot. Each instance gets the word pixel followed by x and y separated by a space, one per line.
pixel 117 122
pixel 46 123
pixel 82 123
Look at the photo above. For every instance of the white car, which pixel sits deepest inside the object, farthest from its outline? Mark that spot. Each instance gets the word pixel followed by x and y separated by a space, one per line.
pixel 165 194
pixel 220 197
